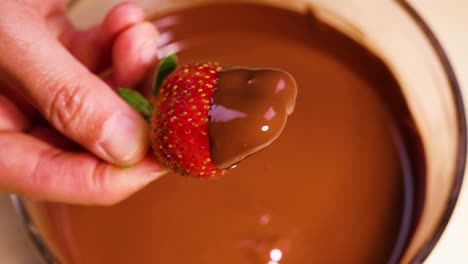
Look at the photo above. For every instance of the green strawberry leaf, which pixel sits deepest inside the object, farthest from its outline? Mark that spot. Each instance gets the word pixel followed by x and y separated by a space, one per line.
pixel 137 101
pixel 166 66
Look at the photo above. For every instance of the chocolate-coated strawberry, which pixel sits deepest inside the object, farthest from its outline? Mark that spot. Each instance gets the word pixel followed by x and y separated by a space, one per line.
pixel 206 118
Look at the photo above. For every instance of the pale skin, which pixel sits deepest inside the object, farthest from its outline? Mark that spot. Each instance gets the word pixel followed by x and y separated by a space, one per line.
pixel 53 100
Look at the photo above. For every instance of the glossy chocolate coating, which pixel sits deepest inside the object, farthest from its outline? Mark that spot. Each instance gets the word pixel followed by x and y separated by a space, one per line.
pixel 250 109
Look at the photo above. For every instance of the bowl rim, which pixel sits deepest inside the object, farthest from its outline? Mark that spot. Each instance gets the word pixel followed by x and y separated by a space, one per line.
pixel 441 54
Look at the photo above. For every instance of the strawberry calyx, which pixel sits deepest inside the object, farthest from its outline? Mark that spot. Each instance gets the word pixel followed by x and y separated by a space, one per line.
pixel 166 67
pixel 137 101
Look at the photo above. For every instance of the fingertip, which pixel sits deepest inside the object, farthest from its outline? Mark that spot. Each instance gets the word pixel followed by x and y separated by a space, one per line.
pixel 121 17
pixel 124 182
pixel 92 47
pixel 134 52
pixel 147 170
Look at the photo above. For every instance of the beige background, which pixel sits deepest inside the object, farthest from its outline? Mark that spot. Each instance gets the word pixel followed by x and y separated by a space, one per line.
pixel 448 19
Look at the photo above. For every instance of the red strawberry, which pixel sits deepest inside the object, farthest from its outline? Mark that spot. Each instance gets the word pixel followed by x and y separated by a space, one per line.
pixel 180 121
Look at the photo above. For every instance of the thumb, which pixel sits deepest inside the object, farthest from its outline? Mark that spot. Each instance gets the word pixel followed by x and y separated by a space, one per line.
pixel 76 102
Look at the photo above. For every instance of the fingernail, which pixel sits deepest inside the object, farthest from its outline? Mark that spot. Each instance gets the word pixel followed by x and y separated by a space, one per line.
pixel 124 140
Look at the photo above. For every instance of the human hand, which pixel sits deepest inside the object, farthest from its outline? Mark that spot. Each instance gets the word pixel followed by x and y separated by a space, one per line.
pixel 51 101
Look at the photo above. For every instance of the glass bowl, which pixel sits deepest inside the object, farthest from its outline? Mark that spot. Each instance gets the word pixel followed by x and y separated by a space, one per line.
pixel 394 31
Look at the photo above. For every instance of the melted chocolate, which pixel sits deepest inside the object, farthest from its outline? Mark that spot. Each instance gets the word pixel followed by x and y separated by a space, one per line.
pixel 249 111
pixel 328 190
